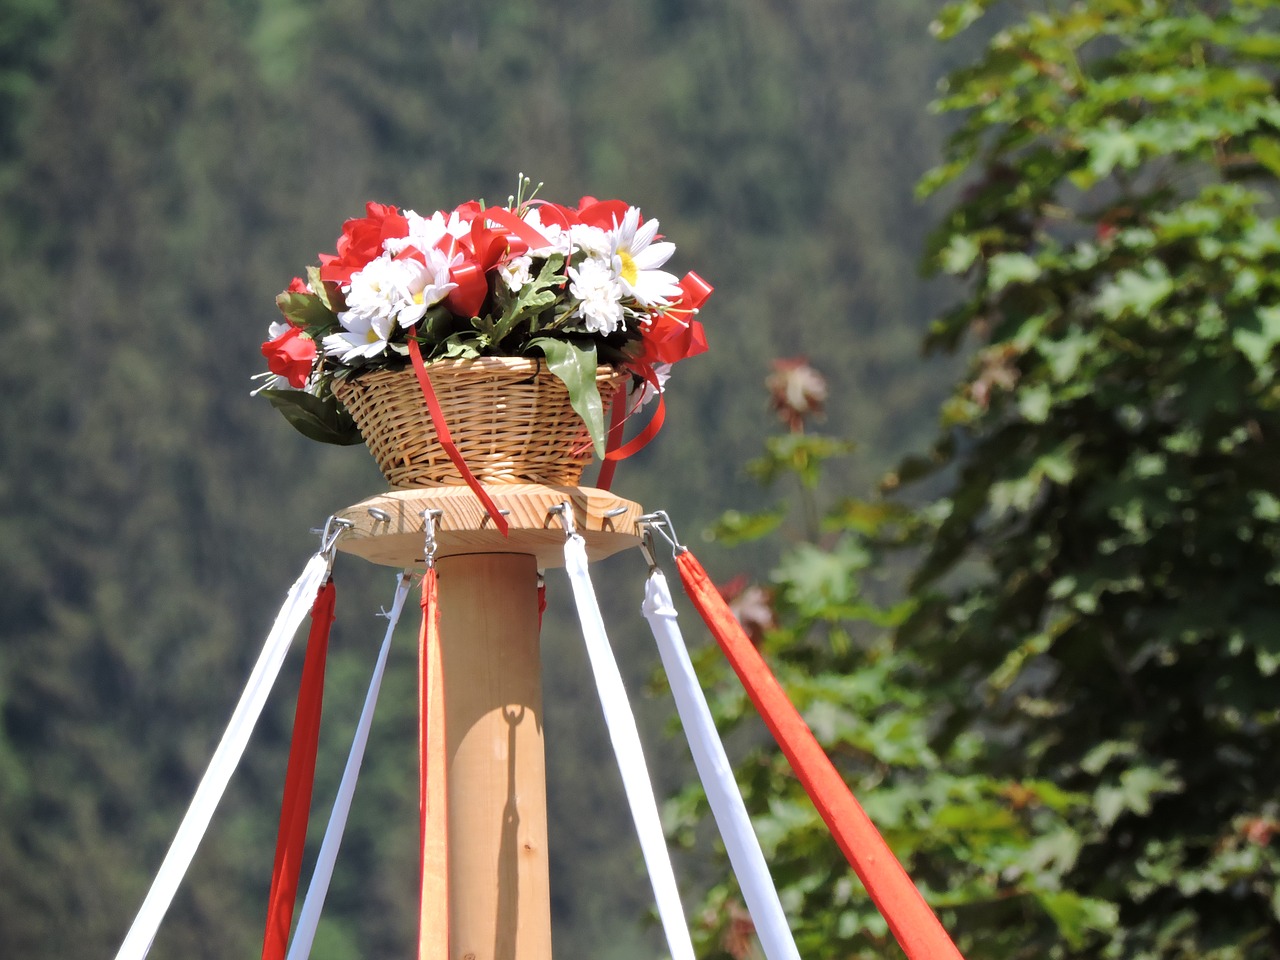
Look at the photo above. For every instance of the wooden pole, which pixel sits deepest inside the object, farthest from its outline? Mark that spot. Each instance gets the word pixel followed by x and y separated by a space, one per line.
pixel 500 897
pixel 491 756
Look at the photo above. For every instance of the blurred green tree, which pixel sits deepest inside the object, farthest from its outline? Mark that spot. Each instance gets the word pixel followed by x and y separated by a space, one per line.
pixel 1083 681
pixel 989 852
pixel 1104 566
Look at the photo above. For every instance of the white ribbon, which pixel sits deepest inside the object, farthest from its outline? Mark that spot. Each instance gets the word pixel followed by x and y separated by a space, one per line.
pixel 745 855
pixel 621 723
pixel 318 889
pixel 226 757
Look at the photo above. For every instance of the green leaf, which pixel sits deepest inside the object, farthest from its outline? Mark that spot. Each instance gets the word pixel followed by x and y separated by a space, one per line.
pixel 307 311
pixel 1134 791
pixel 330 293
pixel 1256 337
pixel 735 527
pixel 533 298
pixel 1110 146
pixel 959 254
pixel 1077 916
pixel 1266 150
pixel 1007 268
pixel 816 580
pixel 325 420
pixel 575 364
pixel 1135 292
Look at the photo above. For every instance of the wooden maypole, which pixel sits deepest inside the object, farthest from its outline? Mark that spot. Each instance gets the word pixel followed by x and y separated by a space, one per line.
pixel 489 888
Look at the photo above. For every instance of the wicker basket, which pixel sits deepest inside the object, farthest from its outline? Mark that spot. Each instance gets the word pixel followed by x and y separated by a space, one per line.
pixel 509 417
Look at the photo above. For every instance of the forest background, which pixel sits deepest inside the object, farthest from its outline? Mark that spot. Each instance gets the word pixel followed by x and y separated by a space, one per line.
pixel 165 169
pixel 1063 740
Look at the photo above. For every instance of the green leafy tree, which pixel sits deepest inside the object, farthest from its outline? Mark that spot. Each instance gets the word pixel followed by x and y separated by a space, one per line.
pixel 1103 570
pixel 988 852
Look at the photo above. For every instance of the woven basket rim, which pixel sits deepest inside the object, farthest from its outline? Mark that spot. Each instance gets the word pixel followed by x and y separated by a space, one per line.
pixel 479 366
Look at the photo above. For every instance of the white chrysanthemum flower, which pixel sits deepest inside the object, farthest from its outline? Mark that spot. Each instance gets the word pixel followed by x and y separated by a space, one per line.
pixel 636 259
pixel 592 241
pixel 515 272
pixel 421 286
pixel 593 283
pixel 278 329
pixel 374 289
pixel 367 335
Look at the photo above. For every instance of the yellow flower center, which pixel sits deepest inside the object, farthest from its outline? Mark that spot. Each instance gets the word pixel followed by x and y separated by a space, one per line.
pixel 629 272
pixel 371 336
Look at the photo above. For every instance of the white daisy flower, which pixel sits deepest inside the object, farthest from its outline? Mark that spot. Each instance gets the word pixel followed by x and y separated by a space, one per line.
pixel 515 272
pixel 636 259
pixel 420 286
pixel 593 283
pixel 367 335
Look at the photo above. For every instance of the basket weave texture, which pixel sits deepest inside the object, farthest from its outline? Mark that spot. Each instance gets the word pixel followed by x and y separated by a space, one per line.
pixel 509 417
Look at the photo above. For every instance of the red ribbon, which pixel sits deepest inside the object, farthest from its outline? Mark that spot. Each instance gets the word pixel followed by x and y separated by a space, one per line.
pixel 446 440
pixel 615 449
pixel 617 418
pixel 517 226
pixel 433 822
pixel 912 923
pixel 295 808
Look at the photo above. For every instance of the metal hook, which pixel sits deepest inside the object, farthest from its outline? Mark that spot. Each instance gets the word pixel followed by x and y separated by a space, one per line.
pixel 660 522
pixel 646 546
pixel 380 517
pixel 607 522
pixel 429 542
pixel 487 517
pixel 334 528
pixel 566 519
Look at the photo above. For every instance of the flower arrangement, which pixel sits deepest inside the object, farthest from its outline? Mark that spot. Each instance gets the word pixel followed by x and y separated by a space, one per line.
pixel 576 287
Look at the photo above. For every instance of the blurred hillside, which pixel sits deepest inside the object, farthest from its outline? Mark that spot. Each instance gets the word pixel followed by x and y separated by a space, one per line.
pixel 165 169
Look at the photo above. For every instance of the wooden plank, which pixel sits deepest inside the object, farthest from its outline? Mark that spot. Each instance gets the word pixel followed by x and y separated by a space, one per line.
pixel 388 528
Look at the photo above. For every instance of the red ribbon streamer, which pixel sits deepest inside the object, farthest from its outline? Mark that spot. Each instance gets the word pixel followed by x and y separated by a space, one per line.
pixel 433 823
pixel 642 439
pixel 615 450
pixel 295 808
pixel 913 924
pixel 446 440
pixel 617 418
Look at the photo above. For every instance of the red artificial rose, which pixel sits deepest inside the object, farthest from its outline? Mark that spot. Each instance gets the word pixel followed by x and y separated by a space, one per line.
pixel 605 214
pixel 298 285
pixel 291 356
pixel 361 241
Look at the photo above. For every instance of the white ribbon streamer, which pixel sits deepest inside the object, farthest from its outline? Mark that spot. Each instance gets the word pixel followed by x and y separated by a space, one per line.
pixel 309 918
pixel 621 723
pixel 745 855
pixel 226 757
